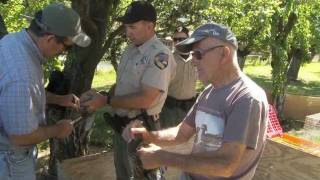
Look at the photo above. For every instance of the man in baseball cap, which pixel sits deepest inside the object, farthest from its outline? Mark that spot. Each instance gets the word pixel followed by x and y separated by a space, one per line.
pixel 23 97
pixel 213 30
pixel 229 118
pixel 64 22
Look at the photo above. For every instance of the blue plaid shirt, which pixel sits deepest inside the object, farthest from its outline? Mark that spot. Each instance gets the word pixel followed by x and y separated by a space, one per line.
pixel 22 93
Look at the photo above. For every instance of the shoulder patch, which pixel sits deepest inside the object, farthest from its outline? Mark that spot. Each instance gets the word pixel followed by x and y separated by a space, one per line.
pixel 161 60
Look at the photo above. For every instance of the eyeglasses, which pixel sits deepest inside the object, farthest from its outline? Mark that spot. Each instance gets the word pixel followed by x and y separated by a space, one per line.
pixel 178 39
pixel 67 47
pixel 61 40
pixel 199 53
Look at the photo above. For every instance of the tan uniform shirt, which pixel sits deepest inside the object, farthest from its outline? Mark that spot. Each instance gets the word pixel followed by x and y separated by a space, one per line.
pixel 183 86
pixel 150 64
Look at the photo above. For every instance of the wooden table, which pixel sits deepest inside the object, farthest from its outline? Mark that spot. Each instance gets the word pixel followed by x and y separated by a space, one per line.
pixel 279 162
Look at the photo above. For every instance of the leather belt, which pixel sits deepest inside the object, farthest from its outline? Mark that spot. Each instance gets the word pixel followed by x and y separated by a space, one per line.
pixel 184 104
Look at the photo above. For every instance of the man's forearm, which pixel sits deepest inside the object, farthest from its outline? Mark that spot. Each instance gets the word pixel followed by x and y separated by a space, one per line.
pixel 165 137
pixel 139 100
pixel 133 101
pixel 37 136
pixel 207 164
pixel 53 98
pixel 172 136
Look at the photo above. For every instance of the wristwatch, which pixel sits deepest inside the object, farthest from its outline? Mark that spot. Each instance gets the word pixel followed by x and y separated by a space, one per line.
pixel 104 93
pixel 109 100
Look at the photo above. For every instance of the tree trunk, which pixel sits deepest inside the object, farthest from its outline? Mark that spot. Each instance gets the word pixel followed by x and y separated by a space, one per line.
pixel 241 61
pixel 3 28
pixel 279 49
pixel 294 65
pixel 242 57
pixel 79 71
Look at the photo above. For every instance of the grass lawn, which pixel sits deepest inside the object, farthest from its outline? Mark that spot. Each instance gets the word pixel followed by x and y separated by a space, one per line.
pixel 308 83
pixel 103 79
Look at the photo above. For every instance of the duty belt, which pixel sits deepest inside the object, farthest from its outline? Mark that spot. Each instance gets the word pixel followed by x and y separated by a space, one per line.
pixel 184 104
pixel 118 123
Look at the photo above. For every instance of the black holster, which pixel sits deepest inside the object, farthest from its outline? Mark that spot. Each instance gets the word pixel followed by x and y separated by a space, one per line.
pixel 118 124
pixel 138 172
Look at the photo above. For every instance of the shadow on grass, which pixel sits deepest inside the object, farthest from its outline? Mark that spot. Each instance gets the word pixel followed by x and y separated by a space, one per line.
pixel 311 88
pixel 262 81
pixel 102 134
pixel 317 73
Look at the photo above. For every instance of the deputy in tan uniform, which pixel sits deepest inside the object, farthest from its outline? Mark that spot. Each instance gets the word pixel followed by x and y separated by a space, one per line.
pixel 182 90
pixel 145 71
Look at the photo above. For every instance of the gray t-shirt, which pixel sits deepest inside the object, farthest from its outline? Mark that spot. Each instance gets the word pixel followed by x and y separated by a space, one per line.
pixel 234 113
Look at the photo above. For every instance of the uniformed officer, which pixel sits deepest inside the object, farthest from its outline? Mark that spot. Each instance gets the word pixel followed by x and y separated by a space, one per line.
pixel 182 90
pixel 144 73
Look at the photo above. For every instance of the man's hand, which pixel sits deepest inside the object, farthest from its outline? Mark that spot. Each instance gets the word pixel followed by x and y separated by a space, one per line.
pixel 149 156
pixel 126 133
pixel 70 100
pixel 92 100
pixel 141 131
pixel 63 128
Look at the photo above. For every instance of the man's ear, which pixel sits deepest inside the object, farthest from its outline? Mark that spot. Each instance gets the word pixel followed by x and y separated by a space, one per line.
pixel 50 37
pixel 151 26
pixel 226 52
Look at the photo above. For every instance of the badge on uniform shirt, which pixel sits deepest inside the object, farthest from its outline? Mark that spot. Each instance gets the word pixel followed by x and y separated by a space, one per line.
pixel 161 60
pixel 144 60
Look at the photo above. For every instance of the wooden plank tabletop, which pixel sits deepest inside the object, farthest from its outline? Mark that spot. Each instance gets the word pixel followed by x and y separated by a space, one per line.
pixel 279 162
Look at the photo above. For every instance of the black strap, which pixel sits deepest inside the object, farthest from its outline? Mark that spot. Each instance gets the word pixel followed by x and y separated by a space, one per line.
pixel 118 123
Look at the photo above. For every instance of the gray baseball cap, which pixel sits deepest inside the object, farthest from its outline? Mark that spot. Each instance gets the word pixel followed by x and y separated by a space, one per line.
pixel 214 30
pixel 65 22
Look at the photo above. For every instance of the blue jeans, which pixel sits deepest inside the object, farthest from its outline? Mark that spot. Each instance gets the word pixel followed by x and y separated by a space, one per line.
pixel 18 164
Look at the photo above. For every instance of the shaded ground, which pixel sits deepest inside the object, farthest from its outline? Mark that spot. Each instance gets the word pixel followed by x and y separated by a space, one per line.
pixel 43 158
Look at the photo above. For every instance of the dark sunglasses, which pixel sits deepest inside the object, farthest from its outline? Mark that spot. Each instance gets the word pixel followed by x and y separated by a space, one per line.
pixel 199 53
pixel 67 47
pixel 59 39
pixel 178 39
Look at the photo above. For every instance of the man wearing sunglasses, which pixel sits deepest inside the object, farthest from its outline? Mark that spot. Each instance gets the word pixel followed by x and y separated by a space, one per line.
pixel 22 95
pixel 182 89
pixel 229 117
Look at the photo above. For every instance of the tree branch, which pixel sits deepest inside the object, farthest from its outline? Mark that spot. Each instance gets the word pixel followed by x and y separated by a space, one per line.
pixel 108 42
pixel 289 26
